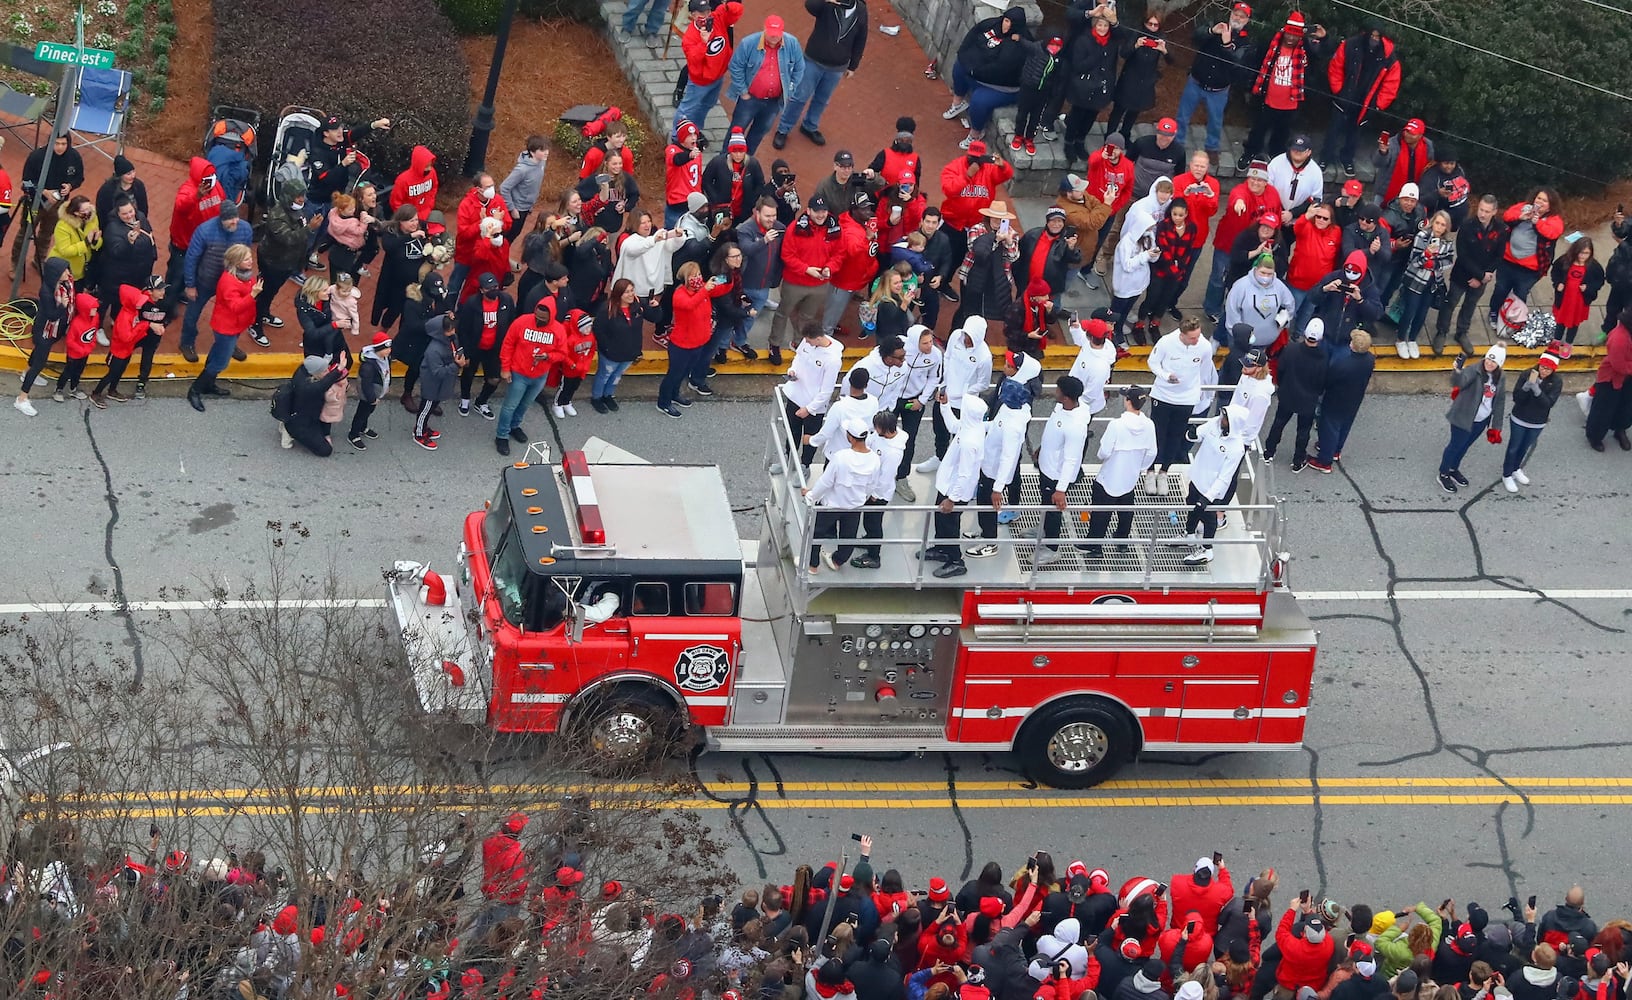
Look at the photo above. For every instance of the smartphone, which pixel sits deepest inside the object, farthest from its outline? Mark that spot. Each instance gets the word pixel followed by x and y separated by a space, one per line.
pixel 1004 230
pixel 1217 858
pixel 1303 897
pixel 856 837
pixel 1382 138
pixel 1532 903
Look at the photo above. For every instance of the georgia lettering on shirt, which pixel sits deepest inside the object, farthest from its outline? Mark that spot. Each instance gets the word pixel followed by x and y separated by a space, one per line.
pixel 423 187
pixel 534 335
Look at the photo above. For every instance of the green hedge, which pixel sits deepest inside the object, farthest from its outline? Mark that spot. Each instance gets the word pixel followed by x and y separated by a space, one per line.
pixel 570 140
pixel 481 17
pixel 350 65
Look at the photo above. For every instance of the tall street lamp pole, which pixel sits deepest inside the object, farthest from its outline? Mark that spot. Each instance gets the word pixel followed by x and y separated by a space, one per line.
pixel 482 128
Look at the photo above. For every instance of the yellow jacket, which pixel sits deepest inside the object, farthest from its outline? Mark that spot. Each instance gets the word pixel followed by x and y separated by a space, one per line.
pixel 71 242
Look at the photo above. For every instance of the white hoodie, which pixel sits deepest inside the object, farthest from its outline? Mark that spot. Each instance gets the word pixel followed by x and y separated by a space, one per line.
pixel 1130 275
pixel 959 473
pixel 1150 209
pixel 1061 944
pixel 1005 440
pixel 831 439
pixel 1065 436
pixel 1218 454
pixel 1127 448
pixel 1093 367
pixel 645 260
pixel 1190 362
pixel 813 375
pixel 889 451
pixel 923 369
pixel 887 381
pixel 1254 395
pixel 966 365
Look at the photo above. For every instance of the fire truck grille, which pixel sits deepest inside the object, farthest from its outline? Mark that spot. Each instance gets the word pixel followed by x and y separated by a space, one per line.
pixel 1163 527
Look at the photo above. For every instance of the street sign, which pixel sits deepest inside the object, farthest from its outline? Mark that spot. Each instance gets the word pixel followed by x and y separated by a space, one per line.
pixel 67 55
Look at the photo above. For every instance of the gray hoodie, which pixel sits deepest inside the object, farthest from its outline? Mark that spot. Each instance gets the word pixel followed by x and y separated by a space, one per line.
pixel 520 189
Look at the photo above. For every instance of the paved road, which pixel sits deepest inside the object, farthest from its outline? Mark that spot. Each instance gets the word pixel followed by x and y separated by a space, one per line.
pixel 1480 736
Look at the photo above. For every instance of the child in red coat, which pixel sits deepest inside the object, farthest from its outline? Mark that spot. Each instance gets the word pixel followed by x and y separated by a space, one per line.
pixel 579 348
pixel 82 330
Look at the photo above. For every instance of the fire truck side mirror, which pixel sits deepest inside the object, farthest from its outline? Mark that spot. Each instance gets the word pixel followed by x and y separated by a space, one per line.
pixel 575 622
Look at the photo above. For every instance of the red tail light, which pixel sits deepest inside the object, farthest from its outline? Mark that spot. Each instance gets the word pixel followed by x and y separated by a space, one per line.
pixel 590 525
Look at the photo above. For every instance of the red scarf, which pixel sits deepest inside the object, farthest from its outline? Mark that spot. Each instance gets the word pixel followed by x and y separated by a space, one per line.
pixel 1300 63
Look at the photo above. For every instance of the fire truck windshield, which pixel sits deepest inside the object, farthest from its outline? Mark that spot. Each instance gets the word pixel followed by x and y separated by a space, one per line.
pixel 510 578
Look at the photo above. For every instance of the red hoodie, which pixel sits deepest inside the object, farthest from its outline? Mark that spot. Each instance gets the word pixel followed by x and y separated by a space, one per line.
pixel 1314 254
pixel 708 55
pixel 1203 204
pixel 1302 963
pixel 1232 223
pixel 130 328
pixel 197 201
pixel 418 184
pixel 468 229
pixel 579 347
pixel 694 314
pixel 805 245
pixel 504 863
pixel 965 196
pixel 82 326
pixel 1111 183
pixel 485 258
pixel 854 262
pixel 595 155
pixel 531 349
pixel 234 305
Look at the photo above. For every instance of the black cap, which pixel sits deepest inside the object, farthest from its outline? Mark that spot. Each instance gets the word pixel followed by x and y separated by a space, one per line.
pixel 861 201
pixel 1406 982
pixel 1301 143
pixel 817 203
pixel 1369 212
pixel 843 158
pixel 1135 394
pixel 332 122
pixel 489 282
pixel 697 6
pixel 1254 358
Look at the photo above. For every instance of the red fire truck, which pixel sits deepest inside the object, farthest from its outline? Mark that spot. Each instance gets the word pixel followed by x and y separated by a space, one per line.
pixel 611 600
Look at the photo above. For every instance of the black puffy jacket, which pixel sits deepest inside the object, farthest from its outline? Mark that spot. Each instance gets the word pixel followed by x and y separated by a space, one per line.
pixel 1092 63
pixel 992 57
pixel 1301 376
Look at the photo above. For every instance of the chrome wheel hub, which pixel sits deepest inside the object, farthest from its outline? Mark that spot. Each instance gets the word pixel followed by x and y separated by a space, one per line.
pixel 622 736
pixel 1078 747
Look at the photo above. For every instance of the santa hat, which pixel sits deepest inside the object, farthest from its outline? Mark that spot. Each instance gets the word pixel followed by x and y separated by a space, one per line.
pixel 1075 868
pixel 846 883
pixel 612 890
pixel 738 140
pixel 1099 879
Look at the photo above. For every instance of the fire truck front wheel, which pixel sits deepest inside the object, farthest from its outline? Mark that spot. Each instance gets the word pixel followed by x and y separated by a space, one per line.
pixel 1075 745
pixel 625 728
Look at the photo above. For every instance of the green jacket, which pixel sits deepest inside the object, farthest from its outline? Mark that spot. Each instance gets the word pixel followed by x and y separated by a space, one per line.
pixel 1391 945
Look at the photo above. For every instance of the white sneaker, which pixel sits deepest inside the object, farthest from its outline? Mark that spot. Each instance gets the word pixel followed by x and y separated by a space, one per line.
pixel 1520 477
pixel 79 393
pixel 23 406
pixel 905 492
pixel 927 465
pixel 486 411
pixel 1400 349
pixel 959 106
pixel 965 142
pixel 288 442
pixel 1200 555
pixel 1414 349
pixel 1047 555
pixel 1510 483
pixel 559 412
pixel 984 551
pixel 570 411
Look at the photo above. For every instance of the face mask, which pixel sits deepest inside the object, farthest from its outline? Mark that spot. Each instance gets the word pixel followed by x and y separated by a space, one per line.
pixel 1263 282
pixel 694 283
pixel 244 273
pixel 298 206
pixel 487 192
pixel 1351 275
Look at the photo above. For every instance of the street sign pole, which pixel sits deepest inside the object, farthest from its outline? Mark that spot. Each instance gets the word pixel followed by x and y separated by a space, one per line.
pixel 59 127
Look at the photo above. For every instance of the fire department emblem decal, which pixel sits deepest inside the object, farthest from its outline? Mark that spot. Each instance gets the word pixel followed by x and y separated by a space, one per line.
pixel 701 668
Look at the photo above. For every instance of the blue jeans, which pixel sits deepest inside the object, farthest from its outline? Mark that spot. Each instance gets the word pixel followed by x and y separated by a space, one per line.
pixel 729 333
pixel 189 318
pixel 1334 430
pixel 517 399
pixel 697 102
pixel 983 100
pixel 607 374
pixel 685 364
pixel 1413 313
pixel 456 280
pixel 1341 137
pixel 1298 295
pixel 1214 100
pixel 815 89
pixel 755 116
pixel 1521 440
pixel 220 353
pixel 1213 302
pixel 1461 441
pixel 655 10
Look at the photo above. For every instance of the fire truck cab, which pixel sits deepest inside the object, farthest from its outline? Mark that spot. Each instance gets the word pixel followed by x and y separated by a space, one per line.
pixel 611 600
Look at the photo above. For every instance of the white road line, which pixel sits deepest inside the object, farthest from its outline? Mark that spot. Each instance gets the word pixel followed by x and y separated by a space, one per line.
pixel 313 604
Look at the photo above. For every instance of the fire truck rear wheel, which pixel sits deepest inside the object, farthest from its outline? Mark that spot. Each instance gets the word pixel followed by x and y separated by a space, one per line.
pixel 626 728
pixel 1076 745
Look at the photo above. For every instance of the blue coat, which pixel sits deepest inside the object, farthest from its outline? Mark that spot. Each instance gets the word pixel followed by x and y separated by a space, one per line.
pixel 750 55
pixel 207 249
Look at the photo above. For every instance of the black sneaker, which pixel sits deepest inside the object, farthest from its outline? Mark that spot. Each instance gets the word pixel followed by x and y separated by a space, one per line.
pixel 501 445
pixel 1269 454
pixel 779 140
pixel 272 321
pixel 1457 475
pixel 519 436
pixel 776 355
pixel 1348 170
pixel 864 562
pixel 612 404
pixel 358 443
pixel 260 338
pixel 748 353
pixel 814 135
pixel 668 411
pixel 1446 483
pixel 681 401
pixel 141 390
pixel 701 390
pixel 371 433
pixel 951 569
pixel 238 354
pixel 720 357
pixel 598 405
pixel 464 407
pixel 712 371
pixel 1298 464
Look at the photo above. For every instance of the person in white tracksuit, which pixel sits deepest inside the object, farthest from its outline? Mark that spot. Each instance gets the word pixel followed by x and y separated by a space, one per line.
pixel 1000 462
pixel 1254 392
pixel 856 402
pixel 840 493
pixel 923 366
pixel 1219 448
pixel 889 442
pixel 955 483
pixel 1059 458
pixel 817 365
pixel 1126 449
pixel 1096 356
pixel 966 368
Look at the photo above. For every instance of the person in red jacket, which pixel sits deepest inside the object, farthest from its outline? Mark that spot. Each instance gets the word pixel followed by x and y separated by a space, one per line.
pixel 1187 941
pixel 610 136
pixel 1110 179
pixel 197 201
pixel 7 203
pixel 490 254
pixel 707 45
pixel 968 184
pixel 81 341
pixel 418 184
pixel 1247 201
pixel 1317 243
pixel 532 346
pixel 1306 950
pixel 505 871
pixel 1364 76
pixel 233 314
pixel 682 171
pixel 855 260
pixel 1534 227
pixel 690 337
pixel 809 254
pixel 1205 891
pixel 482 201
pixel 140 320
pixel 579 350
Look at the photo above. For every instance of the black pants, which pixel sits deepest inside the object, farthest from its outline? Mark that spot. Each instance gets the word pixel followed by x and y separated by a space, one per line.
pixel 359 420
pixel 1122 120
pixel 834 524
pixel 344 260
pixel 802 428
pixel 1051 517
pixel 872 525
pixel 910 417
pixel 1458 291
pixel 949 526
pixel 1100 520
pixel 175 272
pixel 110 381
pixel 313 437
pixel 1620 296
pixel 272 282
pixel 1300 441
pixel 410 378
pixel 1162 295
pixel 1121 306
pixel 517 225
pixel 1078 123
pixel 1611 410
pixel 1199 514
pixel 1172 420
pixel 150 347
pixel 1031 109
pixel 569 387
pixel 983 496
pixel 422 423
pixel 929 303
pixel 36 362
pixel 488 361
pixel 943 429
pixel 69 379
pixel 1269 126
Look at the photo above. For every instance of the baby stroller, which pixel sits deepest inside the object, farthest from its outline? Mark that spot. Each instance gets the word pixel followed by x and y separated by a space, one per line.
pixel 229 145
pixel 301 129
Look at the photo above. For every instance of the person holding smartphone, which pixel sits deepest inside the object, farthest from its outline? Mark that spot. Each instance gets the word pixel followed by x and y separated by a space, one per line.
pixel 1306 946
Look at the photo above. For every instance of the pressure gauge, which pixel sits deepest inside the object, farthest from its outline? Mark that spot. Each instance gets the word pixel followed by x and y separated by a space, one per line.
pixel 874 631
pixel 916 632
